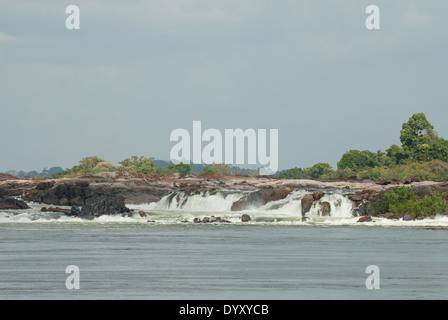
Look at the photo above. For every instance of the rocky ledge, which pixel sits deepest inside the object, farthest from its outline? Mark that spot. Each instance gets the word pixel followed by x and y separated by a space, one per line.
pixel 108 193
pixel 7 203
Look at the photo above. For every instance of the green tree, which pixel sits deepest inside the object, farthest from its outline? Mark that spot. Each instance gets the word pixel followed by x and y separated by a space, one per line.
pixel 221 169
pixel 395 155
pixel 179 167
pixel 293 173
pixel 439 150
pixel 104 166
pixel 87 165
pixel 415 132
pixel 318 170
pixel 139 164
pixel 357 160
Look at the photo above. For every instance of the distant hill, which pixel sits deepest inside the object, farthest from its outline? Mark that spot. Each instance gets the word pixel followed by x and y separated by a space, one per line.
pixel 197 168
pixel 46 173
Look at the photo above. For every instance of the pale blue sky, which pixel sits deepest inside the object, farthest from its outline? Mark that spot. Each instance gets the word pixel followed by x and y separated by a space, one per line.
pixel 136 70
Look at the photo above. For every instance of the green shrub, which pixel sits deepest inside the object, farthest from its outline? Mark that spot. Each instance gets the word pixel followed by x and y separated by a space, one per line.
pixel 180 167
pixel 140 165
pixel 87 165
pixel 221 169
pixel 357 160
pixel 401 200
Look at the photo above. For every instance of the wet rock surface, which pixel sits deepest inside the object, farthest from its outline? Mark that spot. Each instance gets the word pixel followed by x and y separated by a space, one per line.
pixel 260 197
pixel 7 203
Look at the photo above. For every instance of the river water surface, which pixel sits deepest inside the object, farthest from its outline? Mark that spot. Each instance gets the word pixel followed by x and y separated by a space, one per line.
pixel 274 256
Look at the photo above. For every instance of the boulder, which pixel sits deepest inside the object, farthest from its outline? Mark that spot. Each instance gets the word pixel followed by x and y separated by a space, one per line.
pixel 64 202
pixel 307 202
pixel 218 219
pixel 245 218
pixel 105 206
pixel 391 216
pixel 326 208
pixel 367 218
pixel 11 203
pixel 260 198
pixel 75 211
pixel 209 220
pixel 317 195
pixel 45 185
pixel 55 209
pixel 407 217
pixel 142 213
pixel 364 195
pixel 364 209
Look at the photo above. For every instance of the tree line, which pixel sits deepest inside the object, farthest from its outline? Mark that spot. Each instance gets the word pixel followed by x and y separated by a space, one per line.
pixel 423 155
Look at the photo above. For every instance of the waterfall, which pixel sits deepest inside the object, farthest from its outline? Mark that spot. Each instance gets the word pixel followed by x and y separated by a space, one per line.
pixel 332 204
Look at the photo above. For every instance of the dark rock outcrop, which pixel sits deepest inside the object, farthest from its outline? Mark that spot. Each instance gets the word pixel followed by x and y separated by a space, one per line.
pixel 63 194
pixel 245 218
pixel 105 206
pixel 364 210
pixel 85 190
pixel 210 220
pixel 259 198
pixel 55 209
pixel 7 203
pixel 364 195
pixel 407 217
pixel 423 190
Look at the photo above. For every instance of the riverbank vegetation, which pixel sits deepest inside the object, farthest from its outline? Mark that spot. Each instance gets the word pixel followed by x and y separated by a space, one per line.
pixel 423 155
pixel 402 200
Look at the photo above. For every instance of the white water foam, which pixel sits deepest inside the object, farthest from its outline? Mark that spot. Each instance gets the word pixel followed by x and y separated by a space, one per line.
pixel 180 208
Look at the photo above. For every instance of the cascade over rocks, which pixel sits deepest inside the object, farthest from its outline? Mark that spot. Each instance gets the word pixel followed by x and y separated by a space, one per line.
pixel 260 198
pixel 84 190
pixel 308 200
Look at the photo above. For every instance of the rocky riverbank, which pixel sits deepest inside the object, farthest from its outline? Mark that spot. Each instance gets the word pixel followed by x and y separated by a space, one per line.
pixel 108 193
